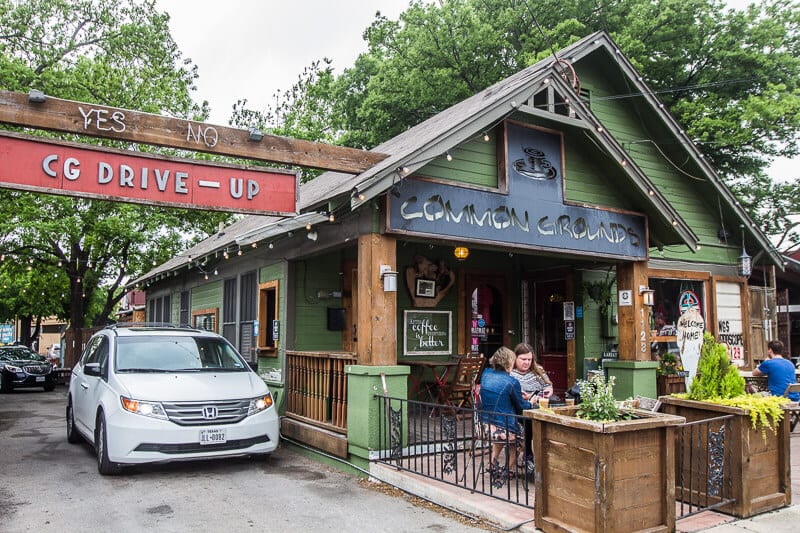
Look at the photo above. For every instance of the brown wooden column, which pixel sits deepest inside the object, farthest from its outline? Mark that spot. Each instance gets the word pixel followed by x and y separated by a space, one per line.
pixel 634 320
pixel 377 310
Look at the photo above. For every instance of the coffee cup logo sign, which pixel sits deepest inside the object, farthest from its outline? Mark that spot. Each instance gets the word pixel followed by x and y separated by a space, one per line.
pixel 691 326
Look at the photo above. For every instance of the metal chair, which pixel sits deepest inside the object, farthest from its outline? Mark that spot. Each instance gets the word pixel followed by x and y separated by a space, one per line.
pixel 793 410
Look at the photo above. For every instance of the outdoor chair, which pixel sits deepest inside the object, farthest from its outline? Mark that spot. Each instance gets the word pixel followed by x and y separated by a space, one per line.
pixel 459 390
pixel 793 409
pixel 501 447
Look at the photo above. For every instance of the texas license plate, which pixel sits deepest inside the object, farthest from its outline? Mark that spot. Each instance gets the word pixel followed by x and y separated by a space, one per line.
pixel 39 379
pixel 212 436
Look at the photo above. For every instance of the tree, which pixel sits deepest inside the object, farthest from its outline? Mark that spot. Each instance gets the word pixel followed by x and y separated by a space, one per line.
pixel 729 76
pixel 109 52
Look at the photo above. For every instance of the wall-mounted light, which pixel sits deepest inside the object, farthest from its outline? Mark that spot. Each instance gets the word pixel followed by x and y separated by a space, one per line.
pixel 312 235
pixel 389 278
pixel 254 134
pixel 461 252
pixel 648 295
pixel 36 96
pixel 744 265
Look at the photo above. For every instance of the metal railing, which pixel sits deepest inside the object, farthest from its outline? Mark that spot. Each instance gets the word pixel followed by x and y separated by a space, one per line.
pixel 457 446
pixel 703 460
pixel 316 388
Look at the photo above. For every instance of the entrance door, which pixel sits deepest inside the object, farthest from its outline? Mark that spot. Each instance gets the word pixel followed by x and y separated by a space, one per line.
pixel 548 331
pixel 487 313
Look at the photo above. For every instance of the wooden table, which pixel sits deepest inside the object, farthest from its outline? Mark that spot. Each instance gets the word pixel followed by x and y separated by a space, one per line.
pixel 441 374
pixel 760 382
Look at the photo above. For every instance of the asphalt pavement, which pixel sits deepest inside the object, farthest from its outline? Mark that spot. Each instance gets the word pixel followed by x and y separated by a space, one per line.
pixel 48 485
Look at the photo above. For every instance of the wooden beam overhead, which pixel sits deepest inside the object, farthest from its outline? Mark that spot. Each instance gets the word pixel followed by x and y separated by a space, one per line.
pixel 96 120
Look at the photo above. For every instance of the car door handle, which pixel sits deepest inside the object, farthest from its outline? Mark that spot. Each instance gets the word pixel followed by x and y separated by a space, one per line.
pixel 84 386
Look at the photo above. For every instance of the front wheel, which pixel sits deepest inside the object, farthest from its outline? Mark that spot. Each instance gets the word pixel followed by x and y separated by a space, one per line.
pixel 72 434
pixel 104 465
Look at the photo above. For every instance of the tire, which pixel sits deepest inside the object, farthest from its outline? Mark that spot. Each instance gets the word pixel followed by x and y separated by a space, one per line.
pixel 49 387
pixel 73 437
pixel 104 465
pixel 5 384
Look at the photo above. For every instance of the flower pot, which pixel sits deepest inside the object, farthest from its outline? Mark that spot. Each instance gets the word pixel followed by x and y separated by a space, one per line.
pixel 670 384
pixel 759 468
pixel 604 477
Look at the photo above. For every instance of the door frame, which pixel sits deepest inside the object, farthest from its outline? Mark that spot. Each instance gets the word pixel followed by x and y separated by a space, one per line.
pixel 503 283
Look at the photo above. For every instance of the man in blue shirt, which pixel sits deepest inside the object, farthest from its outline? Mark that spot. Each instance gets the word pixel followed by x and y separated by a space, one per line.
pixel 779 371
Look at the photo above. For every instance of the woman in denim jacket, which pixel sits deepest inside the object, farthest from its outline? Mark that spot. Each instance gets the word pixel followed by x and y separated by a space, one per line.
pixel 501 397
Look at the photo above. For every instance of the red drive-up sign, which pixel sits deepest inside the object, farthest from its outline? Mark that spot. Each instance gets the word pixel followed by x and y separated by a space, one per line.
pixel 54 167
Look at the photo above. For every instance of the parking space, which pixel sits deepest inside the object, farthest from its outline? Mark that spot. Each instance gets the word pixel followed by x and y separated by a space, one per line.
pixel 49 485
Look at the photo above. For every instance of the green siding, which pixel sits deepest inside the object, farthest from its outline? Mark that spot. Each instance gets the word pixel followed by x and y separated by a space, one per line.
pixel 474 162
pixel 208 296
pixel 320 273
pixel 649 143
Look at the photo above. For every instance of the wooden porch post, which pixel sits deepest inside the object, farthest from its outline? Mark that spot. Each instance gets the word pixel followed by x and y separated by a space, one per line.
pixel 377 310
pixel 634 320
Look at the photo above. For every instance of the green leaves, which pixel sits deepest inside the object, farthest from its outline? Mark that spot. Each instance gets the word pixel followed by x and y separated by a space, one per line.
pixel 80 252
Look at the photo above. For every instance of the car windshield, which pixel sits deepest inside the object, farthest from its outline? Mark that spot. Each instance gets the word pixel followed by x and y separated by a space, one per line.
pixel 18 353
pixel 177 354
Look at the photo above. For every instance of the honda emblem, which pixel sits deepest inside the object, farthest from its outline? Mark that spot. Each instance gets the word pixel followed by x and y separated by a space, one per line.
pixel 210 412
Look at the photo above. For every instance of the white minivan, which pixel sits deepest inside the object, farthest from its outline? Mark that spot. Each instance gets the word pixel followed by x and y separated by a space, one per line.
pixel 157 394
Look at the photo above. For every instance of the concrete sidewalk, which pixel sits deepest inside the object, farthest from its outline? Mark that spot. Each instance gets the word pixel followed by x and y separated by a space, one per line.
pixel 518 518
pixel 786 520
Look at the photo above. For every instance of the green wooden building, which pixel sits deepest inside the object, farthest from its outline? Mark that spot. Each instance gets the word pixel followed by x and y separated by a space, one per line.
pixel 563 207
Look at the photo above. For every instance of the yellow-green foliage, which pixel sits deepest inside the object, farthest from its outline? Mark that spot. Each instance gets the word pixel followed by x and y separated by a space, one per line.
pixel 716 377
pixel 764 410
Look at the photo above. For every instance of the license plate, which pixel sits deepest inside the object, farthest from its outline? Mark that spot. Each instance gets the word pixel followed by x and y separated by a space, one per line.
pixel 212 436
pixel 39 379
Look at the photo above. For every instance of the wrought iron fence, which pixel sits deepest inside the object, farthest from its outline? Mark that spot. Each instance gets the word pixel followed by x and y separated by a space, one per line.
pixel 703 460
pixel 468 448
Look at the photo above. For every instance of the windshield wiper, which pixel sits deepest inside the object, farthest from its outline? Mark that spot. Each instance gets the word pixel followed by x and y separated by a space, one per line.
pixel 144 370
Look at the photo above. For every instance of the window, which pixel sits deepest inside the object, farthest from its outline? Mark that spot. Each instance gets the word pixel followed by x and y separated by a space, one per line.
pixel 160 309
pixel 672 297
pixel 267 313
pixel 206 319
pixel 248 297
pixel 184 311
pixel 229 310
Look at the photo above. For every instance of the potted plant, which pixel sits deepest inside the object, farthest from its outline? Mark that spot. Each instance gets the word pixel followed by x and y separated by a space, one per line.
pixel 759 444
pixel 670 377
pixel 603 467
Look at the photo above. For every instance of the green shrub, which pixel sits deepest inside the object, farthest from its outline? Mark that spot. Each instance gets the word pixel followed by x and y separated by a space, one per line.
pixel 716 377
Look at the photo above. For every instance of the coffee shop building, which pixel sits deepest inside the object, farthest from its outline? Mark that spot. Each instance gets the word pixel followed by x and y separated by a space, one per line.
pixel 563 207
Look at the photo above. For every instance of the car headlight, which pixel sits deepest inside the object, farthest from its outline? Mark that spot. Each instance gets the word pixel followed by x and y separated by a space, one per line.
pixel 151 409
pixel 259 404
pixel 12 368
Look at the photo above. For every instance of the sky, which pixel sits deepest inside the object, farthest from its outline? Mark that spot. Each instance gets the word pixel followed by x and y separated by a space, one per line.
pixel 252 49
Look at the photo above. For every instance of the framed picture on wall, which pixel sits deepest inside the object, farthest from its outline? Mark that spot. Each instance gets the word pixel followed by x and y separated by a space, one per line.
pixel 426 288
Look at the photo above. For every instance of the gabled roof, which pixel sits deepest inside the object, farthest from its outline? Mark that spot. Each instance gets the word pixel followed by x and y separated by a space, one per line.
pixel 464 121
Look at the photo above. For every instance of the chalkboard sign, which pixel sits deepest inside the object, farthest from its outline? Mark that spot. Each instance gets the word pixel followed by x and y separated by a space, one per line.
pixel 427 332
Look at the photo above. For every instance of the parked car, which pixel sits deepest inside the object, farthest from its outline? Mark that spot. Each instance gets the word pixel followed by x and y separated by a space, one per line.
pixel 20 367
pixel 158 394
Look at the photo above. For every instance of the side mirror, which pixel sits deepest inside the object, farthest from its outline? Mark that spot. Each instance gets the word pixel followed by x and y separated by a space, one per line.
pixel 91 369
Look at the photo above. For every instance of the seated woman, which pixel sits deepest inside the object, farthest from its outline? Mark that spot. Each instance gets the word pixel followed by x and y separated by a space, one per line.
pixel 501 398
pixel 779 371
pixel 532 377
pixel 535 385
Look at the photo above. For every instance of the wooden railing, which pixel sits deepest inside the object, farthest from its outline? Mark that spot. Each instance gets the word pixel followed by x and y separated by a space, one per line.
pixel 316 388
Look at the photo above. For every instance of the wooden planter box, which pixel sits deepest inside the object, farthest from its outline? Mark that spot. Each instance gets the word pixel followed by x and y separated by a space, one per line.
pixel 666 385
pixel 604 477
pixel 759 470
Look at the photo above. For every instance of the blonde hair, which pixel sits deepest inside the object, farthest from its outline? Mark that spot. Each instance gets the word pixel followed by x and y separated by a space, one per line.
pixel 503 359
pixel 524 347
